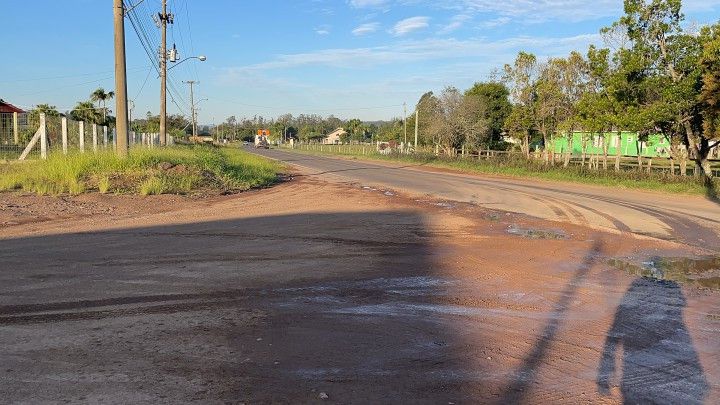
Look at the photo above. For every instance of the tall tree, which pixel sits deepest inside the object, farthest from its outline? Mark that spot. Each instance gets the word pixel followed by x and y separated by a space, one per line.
pixel 457 123
pixel 494 96
pixel 671 74
pixel 521 78
pixel 101 97
pixel 427 108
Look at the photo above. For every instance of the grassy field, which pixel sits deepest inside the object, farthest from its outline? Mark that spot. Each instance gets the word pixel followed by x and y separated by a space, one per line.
pixel 176 170
pixel 522 168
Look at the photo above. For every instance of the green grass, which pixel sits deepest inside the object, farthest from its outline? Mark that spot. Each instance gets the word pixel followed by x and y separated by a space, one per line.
pixel 523 168
pixel 175 170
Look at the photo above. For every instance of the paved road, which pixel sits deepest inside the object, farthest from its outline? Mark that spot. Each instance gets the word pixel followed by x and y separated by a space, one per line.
pixel 692 220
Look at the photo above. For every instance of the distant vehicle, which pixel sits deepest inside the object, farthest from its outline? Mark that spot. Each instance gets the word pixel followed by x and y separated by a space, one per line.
pixel 261 139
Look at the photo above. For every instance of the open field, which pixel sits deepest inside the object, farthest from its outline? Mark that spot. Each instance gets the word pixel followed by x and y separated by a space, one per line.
pixel 178 170
pixel 629 177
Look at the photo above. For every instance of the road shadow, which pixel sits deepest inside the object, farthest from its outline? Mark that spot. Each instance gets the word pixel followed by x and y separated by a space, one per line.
pixel 524 376
pixel 659 361
pixel 272 309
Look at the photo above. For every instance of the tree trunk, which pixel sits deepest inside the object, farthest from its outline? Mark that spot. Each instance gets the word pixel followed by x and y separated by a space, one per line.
pixel 618 152
pixel 683 164
pixel 605 152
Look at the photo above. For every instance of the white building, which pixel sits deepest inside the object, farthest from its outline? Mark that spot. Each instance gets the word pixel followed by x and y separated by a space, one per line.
pixel 334 137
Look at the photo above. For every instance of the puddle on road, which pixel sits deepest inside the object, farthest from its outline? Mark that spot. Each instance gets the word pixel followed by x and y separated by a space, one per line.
pixel 536 233
pixel 701 271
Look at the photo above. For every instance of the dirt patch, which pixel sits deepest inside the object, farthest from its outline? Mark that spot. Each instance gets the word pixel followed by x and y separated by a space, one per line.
pixel 311 289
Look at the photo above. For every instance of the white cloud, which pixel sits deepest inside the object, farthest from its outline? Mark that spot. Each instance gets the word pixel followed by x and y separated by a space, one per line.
pixel 323 30
pixel 409 25
pixel 492 52
pixel 365 29
pixel 455 23
pixel 495 22
pixel 367 3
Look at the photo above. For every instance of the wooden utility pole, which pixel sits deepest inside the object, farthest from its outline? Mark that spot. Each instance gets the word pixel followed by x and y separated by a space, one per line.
pixel 192 107
pixel 405 123
pixel 417 118
pixel 164 19
pixel 121 120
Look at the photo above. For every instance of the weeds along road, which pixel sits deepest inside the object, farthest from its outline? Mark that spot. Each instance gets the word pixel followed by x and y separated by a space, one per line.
pixel 687 219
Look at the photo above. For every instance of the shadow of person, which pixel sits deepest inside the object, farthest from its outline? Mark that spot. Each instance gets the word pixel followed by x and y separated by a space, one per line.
pixel 659 362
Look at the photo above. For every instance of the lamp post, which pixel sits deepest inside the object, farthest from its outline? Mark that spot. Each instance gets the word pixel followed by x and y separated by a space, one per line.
pixel 201 58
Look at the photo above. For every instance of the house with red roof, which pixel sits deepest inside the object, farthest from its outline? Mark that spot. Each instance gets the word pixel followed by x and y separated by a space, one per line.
pixel 9 134
pixel 6 107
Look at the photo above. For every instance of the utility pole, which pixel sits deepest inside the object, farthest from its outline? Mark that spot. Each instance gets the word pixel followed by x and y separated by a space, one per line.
pixel 165 18
pixel 405 122
pixel 417 118
pixel 192 107
pixel 121 106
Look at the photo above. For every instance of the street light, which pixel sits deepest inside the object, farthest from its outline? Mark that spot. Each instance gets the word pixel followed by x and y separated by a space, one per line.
pixel 201 58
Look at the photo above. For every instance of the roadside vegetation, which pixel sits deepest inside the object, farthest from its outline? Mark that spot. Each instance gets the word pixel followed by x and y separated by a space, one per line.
pixel 517 166
pixel 175 170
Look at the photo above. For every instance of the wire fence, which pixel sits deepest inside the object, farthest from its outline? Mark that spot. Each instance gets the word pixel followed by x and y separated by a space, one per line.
pixel 663 165
pixel 13 127
pixel 32 136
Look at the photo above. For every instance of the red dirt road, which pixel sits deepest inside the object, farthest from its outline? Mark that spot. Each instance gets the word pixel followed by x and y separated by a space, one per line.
pixel 311 290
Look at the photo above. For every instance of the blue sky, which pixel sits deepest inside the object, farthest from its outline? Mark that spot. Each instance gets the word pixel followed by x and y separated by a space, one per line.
pixel 350 58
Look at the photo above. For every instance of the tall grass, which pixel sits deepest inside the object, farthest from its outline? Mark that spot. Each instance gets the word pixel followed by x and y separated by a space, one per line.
pixel 176 170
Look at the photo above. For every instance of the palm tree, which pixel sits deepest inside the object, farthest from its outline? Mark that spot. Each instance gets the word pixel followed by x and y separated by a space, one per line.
pixel 100 96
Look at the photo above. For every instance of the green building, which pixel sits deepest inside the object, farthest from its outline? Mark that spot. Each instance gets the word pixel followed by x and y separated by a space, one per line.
pixel 630 145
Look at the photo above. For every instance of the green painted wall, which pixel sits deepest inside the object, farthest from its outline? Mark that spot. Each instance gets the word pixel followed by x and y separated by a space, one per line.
pixel 656 145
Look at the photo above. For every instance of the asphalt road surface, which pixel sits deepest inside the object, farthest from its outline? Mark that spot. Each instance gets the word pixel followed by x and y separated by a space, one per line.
pixel 687 219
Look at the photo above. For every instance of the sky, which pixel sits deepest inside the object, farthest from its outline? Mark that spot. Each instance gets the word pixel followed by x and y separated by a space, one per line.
pixel 350 58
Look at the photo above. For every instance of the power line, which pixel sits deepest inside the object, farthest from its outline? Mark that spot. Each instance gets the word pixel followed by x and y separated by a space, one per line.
pixel 148 45
pixel 69 76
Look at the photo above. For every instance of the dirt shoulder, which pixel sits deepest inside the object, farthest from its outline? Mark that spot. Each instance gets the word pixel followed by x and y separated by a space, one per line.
pixel 312 289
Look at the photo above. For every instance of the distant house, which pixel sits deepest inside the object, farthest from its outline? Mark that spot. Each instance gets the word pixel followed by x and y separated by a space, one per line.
pixel 6 107
pixel 334 137
pixel 8 134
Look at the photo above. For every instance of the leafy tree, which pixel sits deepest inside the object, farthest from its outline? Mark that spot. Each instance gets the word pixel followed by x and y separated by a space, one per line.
pixel 428 108
pixel 494 96
pixel 521 78
pixel 457 121
pixel 86 111
pixel 669 74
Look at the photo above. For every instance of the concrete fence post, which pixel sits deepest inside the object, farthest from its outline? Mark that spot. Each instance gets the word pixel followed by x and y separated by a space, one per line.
pixel 81 134
pixel 94 137
pixel 64 129
pixel 16 130
pixel 43 137
pixel 105 136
